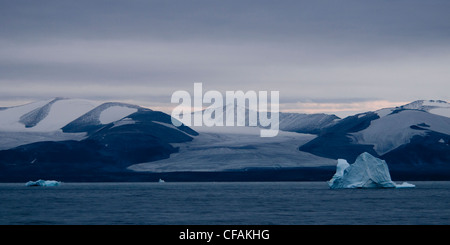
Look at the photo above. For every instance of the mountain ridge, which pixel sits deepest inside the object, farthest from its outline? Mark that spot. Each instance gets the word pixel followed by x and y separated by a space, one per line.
pixel 94 141
pixel 392 134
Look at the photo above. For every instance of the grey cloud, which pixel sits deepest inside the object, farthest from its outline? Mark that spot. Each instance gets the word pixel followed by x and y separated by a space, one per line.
pixel 309 50
pixel 232 19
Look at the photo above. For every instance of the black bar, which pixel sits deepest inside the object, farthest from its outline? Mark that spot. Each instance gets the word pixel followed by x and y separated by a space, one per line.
pixel 223 234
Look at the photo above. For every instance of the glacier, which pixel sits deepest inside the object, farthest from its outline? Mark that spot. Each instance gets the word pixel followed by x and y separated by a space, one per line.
pixel 366 172
pixel 236 149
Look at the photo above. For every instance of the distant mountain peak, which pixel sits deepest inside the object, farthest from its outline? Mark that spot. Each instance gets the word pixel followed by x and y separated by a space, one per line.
pixel 438 107
pixel 421 104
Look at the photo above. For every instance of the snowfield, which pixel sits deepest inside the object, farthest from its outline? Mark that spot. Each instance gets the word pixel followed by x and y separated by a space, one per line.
pixel 394 130
pixel 49 115
pixel 43 120
pixel 63 112
pixel 115 113
pixel 10 117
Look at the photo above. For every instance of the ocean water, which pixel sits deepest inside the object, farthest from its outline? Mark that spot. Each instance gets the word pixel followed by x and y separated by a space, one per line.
pixel 222 203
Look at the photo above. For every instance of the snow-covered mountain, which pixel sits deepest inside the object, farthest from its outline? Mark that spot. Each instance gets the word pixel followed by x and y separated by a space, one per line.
pixel 306 123
pixel 57 119
pixel 291 122
pixel 437 107
pixel 413 136
pixel 54 114
pixel 242 149
pixel 79 139
pixel 85 138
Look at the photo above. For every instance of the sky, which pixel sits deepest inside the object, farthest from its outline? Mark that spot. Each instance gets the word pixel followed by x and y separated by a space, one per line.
pixel 323 56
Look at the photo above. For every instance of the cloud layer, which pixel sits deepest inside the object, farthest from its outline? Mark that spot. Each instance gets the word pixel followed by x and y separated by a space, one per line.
pixel 320 52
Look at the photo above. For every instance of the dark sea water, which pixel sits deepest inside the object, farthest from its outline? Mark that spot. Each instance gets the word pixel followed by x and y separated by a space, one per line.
pixel 222 203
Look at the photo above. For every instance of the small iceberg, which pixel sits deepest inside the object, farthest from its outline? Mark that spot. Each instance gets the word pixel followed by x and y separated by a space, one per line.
pixel 161 181
pixel 43 183
pixel 405 185
pixel 366 172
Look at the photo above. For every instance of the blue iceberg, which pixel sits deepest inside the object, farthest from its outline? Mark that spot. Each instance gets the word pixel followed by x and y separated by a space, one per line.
pixel 43 183
pixel 366 172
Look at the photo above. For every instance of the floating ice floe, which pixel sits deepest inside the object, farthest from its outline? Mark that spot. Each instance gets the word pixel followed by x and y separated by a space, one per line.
pixel 405 185
pixel 366 172
pixel 43 183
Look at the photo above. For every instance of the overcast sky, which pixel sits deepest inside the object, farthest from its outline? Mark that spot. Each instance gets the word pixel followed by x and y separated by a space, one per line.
pixel 323 56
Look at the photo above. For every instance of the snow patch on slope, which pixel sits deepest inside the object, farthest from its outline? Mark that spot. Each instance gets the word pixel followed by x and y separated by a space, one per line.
pixel 10 117
pixel 384 112
pixel 115 113
pixel 441 111
pixel 40 121
pixel 63 112
pixel 123 122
